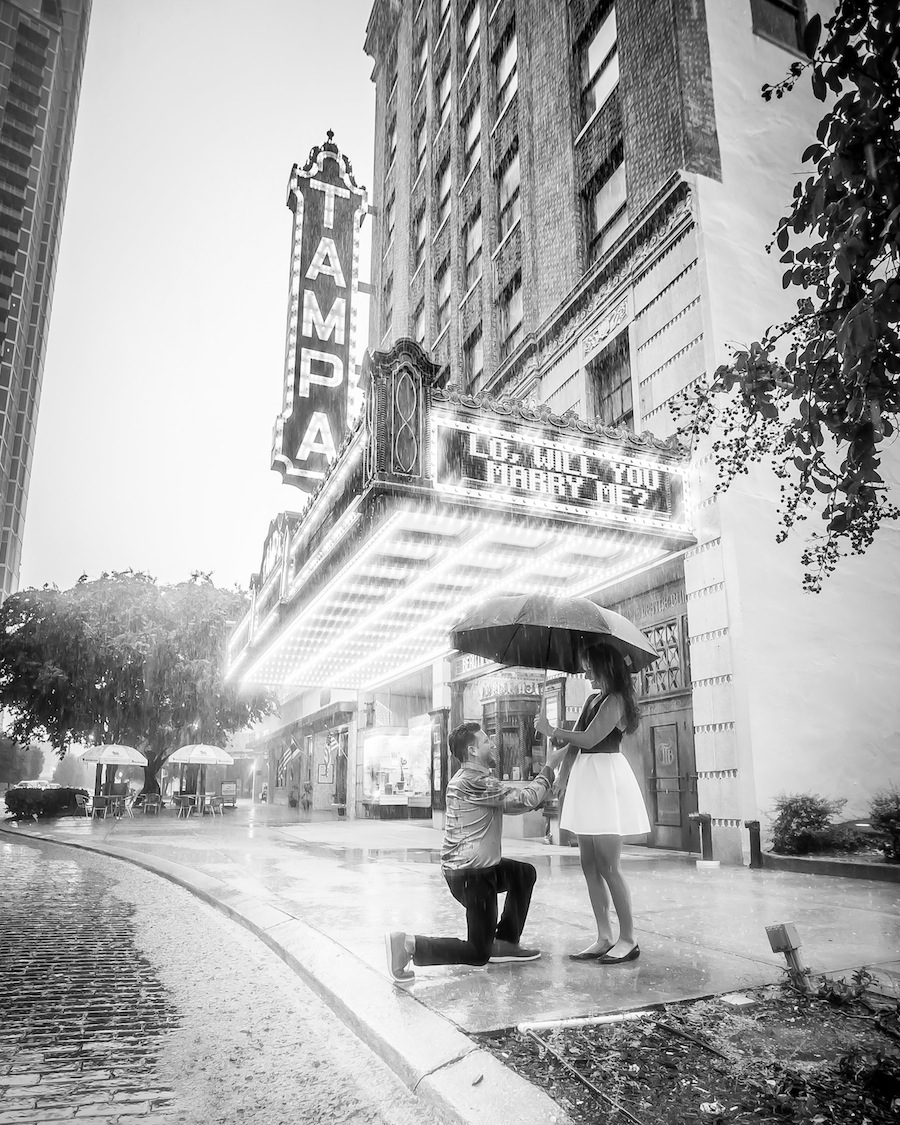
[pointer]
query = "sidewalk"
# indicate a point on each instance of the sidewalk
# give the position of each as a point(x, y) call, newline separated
point(323, 892)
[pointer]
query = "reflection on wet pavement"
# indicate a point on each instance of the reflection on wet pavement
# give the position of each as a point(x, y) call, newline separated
point(700, 931)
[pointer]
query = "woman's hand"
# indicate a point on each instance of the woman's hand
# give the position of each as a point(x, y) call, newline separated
point(542, 725)
point(554, 759)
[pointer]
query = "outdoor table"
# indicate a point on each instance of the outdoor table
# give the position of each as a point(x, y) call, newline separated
point(105, 806)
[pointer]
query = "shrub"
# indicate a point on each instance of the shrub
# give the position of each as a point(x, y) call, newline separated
point(802, 826)
point(884, 816)
point(42, 802)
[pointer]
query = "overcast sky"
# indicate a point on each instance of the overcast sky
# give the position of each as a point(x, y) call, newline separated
point(165, 361)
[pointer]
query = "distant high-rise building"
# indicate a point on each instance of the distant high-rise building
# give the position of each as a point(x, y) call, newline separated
point(42, 48)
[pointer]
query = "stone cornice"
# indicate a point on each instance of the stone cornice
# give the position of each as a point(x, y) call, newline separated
point(511, 409)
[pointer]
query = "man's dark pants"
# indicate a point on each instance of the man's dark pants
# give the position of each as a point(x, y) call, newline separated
point(477, 889)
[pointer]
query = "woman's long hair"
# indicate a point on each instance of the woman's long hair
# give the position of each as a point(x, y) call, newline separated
point(608, 666)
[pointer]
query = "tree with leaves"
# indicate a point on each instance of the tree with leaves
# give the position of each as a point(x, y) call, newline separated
point(122, 659)
point(19, 763)
point(817, 397)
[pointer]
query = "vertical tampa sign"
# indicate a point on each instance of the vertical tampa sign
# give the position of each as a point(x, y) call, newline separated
point(320, 356)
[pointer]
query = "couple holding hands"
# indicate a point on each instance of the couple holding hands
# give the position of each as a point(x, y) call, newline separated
point(602, 803)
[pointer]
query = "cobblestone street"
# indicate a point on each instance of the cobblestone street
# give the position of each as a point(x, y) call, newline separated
point(125, 999)
point(82, 1009)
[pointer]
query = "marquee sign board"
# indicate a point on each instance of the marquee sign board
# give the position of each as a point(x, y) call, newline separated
point(564, 475)
point(328, 209)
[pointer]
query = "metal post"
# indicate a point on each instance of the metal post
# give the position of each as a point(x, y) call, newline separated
point(783, 938)
point(704, 819)
point(755, 847)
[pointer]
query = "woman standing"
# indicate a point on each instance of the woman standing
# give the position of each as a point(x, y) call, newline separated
point(603, 801)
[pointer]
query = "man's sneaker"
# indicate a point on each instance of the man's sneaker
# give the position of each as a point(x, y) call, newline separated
point(505, 951)
point(398, 957)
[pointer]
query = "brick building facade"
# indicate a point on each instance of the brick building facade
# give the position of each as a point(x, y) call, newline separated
point(572, 202)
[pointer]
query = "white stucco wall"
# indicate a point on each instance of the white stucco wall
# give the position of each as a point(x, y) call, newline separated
point(816, 677)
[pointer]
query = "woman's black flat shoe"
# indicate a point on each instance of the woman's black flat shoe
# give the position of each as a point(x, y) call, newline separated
point(630, 956)
point(589, 956)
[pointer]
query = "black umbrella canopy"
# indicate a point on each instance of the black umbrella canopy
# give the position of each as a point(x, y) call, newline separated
point(541, 631)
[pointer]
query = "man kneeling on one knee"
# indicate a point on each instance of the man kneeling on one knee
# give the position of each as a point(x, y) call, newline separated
point(472, 864)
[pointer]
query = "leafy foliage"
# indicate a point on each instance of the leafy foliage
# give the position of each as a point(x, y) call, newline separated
point(884, 816)
point(42, 802)
point(821, 415)
point(123, 659)
point(839, 993)
point(19, 763)
point(802, 825)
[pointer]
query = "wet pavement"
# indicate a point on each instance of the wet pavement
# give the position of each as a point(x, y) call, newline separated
point(76, 1040)
point(701, 931)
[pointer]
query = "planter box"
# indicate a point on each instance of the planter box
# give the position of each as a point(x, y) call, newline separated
point(851, 867)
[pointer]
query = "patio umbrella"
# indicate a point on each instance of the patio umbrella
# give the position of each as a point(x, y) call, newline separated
point(112, 755)
point(199, 754)
point(540, 631)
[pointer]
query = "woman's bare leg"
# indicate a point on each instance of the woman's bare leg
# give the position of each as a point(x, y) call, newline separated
point(598, 894)
point(608, 854)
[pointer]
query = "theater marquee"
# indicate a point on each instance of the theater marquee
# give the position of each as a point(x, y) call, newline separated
point(567, 475)
point(320, 354)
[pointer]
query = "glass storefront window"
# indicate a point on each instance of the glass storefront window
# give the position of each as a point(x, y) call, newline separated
point(398, 761)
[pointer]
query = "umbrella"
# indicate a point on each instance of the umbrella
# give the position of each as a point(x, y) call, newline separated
point(112, 755)
point(201, 755)
point(540, 631)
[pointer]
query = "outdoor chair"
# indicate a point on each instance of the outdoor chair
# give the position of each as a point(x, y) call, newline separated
point(185, 806)
point(216, 805)
point(99, 807)
point(82, 803)
point(128, 805)
point(152, 803)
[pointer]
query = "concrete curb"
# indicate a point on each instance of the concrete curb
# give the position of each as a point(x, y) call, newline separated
point(428, 1052)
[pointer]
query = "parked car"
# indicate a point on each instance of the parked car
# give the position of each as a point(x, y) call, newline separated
point(38, 783)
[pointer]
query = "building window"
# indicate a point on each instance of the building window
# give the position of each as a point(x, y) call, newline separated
point(421, 139)
point(607, 204)
point(511, 316)
point(392, 74)
point(389, 213)
point(391, 142)
point(473, 248)
point(473, 358)
point(442, 90)
point(599, 66)
point(669, 671)
point(442, 287)
point(421, 57)
point(782, 21)
point(443, 194)
point(471, 35)
point(472, 136)
point(609, 395)
point(509, 200)
point(387, 305)
point(419, 323)
point(421, 234)
point(506, 72)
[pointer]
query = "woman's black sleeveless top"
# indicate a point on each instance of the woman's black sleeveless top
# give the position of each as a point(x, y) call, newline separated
point(612, 742)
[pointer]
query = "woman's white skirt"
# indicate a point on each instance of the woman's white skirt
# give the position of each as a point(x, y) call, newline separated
point(603, 798)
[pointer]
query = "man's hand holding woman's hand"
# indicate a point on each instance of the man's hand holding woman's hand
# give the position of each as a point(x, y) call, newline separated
point(554, 759)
